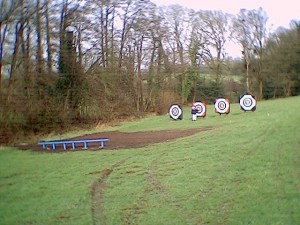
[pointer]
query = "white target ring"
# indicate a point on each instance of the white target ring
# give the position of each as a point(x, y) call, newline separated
point(201, 109)
point(222, 106)
point(247, 102)
point(175, 112)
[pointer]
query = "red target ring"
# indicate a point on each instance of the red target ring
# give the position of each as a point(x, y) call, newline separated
point(175, 112)
point(247, 102)
point(201, 108)
point(222, 105)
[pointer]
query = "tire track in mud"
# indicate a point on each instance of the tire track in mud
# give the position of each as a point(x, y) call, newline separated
point(157, 187)
point(97, 192)
point(152, 178)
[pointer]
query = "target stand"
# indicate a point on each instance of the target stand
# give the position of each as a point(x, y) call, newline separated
point(222, 106)
point(201, 108)
point(175, 112)
point(247, 103)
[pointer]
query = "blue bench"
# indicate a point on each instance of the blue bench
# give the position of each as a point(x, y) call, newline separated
point(73, 143)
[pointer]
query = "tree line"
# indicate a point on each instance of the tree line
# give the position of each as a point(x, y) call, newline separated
point(81, 62)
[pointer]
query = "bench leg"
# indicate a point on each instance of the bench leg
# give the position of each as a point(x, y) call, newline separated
point(101, 144)
point(85, 145)
point(65, 146)
point(54, 146)
point(73, 145)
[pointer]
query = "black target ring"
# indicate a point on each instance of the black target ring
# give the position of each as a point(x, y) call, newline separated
point(175, 112)
point(201, 109)
point(247, 102)
point(222, 106)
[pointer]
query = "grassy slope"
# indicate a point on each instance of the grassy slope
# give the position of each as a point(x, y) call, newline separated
point(246, 171)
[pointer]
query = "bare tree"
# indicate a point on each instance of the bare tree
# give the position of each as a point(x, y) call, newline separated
point(196, 55)
point(252, 33)
point(6, 10)
point(281, 54)
point(176, 21)
point(214, 26)
point(130, 11)
point(39, 51)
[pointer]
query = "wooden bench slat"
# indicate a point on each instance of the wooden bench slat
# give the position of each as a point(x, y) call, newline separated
point(73, 143)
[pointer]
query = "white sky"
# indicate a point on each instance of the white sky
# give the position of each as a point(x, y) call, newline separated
point(280, 13)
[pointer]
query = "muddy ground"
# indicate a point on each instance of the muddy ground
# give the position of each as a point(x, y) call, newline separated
point(122, 140)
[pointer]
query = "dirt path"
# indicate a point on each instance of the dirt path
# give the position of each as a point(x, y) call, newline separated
point(97, 192)
point(118, 141)
point(122, 140)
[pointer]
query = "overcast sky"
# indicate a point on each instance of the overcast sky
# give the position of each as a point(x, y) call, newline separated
point(280, 13)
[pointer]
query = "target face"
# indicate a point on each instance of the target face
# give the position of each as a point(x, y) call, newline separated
point(175, 112)
point(247, 102)
point(222, 105)
point(201, 108)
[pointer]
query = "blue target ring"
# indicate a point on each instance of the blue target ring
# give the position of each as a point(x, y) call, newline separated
point(175, 112)
point(201, 108)
point(222, 105)
point(248, 102)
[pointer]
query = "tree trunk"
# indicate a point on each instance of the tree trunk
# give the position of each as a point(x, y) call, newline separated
point(1, 50)
point(48, 40)
point(195, 90)
point(260, 89)
point(102, 37)
point(247, 77)
point(140, 99)
point(18, 31)
point(39, 50)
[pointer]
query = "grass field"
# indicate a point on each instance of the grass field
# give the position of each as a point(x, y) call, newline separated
point(244, 171)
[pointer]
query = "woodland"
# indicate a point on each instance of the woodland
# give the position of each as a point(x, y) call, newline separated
point(79, 63)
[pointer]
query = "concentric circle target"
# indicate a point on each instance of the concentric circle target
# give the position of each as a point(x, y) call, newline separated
point(175, 112)
point(222, 105)
point(248, 102)
point(201, 108)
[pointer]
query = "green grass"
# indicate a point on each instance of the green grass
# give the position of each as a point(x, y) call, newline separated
point(244, 171)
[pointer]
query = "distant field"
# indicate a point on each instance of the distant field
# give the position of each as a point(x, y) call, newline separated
point(236, 78)
point(246, 170)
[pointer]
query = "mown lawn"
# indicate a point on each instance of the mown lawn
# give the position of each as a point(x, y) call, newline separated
point(244, 171)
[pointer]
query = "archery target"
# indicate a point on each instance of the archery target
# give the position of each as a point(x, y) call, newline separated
point(222, 105)
point(248, 102)
point(175, 112)
point(201, 108)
